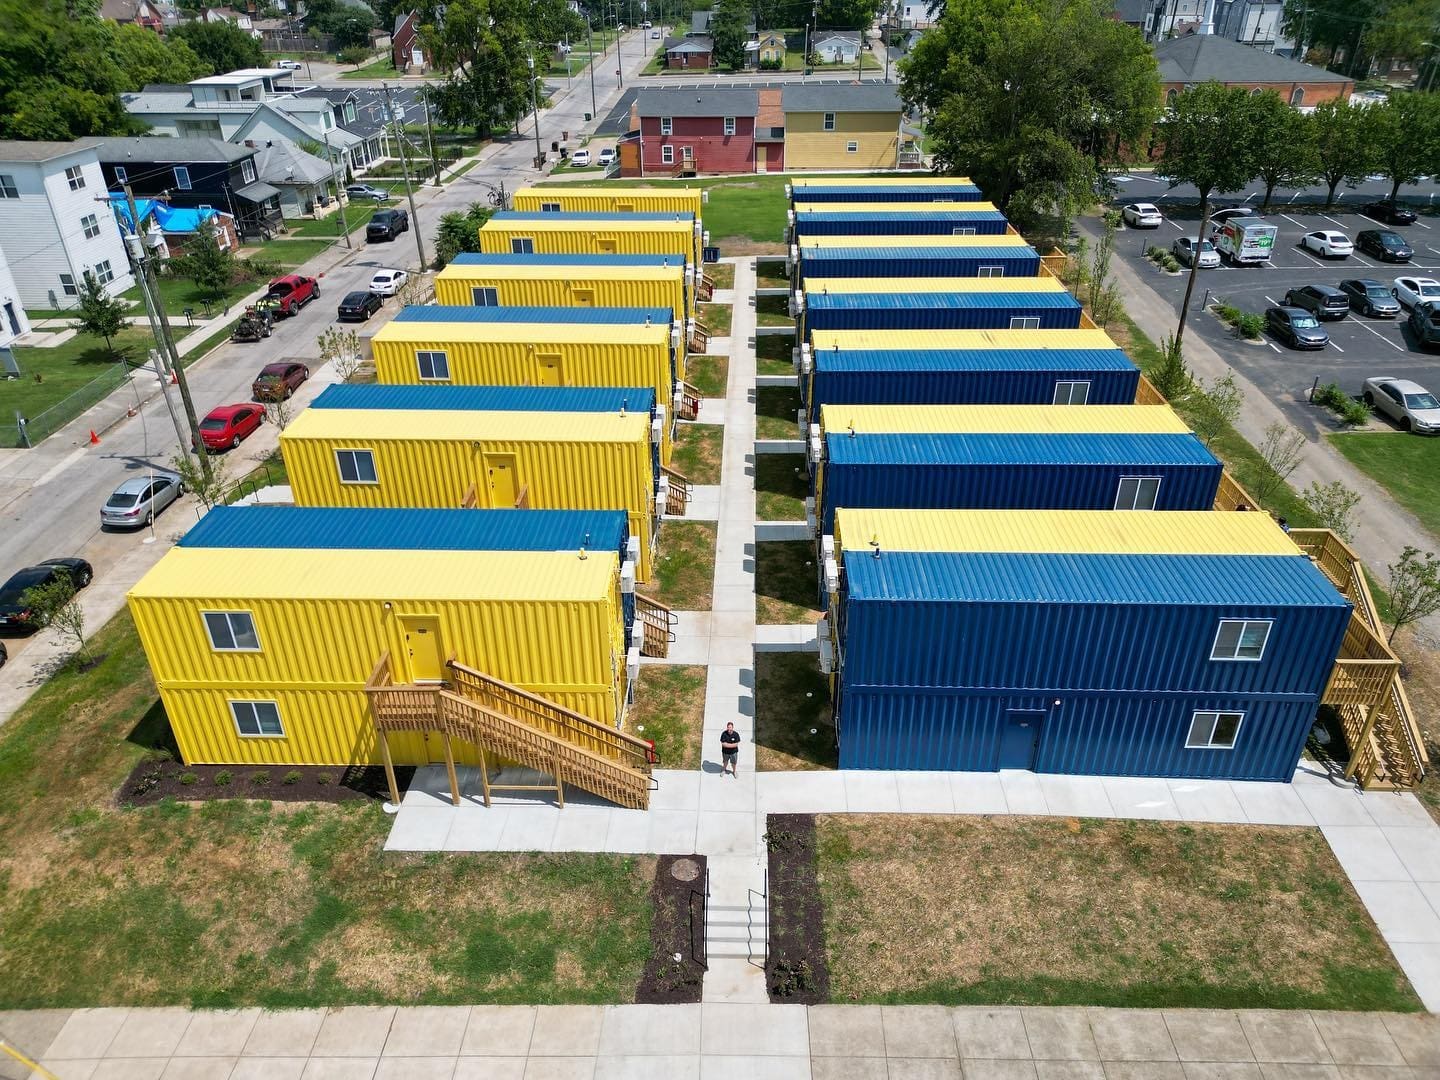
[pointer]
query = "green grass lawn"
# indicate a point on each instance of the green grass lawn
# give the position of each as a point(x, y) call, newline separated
point(781, 484)
point(697, 452)
point(775, 355)
point(722, 274)
point(291, 253)
point(378, 69)
point(237, 902)
point(684, 566)
point(1405, 465)
point(794, 728)
point(62, 371)
point(669, 710)
point(178, 293)
point(773, 277)
point(773, 311)
point(776, 409)
point(707, 373)
point(716, 318)
point(795, 61)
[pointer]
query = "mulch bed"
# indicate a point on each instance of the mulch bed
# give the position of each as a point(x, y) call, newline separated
point(797, 972)
point(154, 779)
point(677, 927)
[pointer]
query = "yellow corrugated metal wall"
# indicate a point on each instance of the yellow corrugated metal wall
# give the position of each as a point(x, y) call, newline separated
point(578, 287)
point(597, 238)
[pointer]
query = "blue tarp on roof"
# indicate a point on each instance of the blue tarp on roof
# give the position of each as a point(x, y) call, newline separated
point(610, 315)
point(490, 398)
point(171, 219)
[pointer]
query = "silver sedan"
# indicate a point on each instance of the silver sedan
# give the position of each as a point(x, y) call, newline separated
point(1407, 403)
point(136, 502)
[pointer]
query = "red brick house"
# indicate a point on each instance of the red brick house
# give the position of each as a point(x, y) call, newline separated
point(689, 53)
point(1197, 58)
point(406, 52)
point(687, 132)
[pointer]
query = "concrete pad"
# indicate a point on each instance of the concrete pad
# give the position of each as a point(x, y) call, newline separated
point(919, 1031)
point(353, 1031)
point(498, 1031)
point(760, 1030)
point(490, 1068)
point(86, 1033)
point(1076, 796)
point(1271, 804)
point(978, 793)
point(1416, 1037)
point(288, 1033)
point(1059, 1034)
point(1421, 964)
point(567, 1030)
point(629, 832)
point(560, 1068)
point(1292, 1071)
point(1222, 1070)
point(667, 1067)
point(130, 1069)
point(871, 791)
point(673, 832)
point(530, 828)
point(991, 1033)
point(926, 793)
point(842, 1068)
point(415, 1068)
point(1358, 1039)
point(731, 980)
point(1212, 1035)
point(475, 829)
point(1207, 800)
point(754, 1067)
point(420, 828)
point(581, 828)
point(999, 1069)
point(1023, 794)
point(1131, 1035)
point(270, 1069)
point(1401, 911)
point(677, 790)
point(786, 637)
point(1365, 853)
point(1397, 809)
point(818, 791)
point(1144, 1070)
point(1331, 805)
point(846, 1031)
point(215, 1034)
point(733, 598)
point(1418, 849)
point(199, 1068)
point(148, 1033)
point(650, 1029)
point(726, 795)
point(1069, 1070)
point(30, 1031)
point(424, 1031)
point(1283, 1037)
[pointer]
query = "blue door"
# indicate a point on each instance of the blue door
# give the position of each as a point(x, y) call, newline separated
point(1020, 738)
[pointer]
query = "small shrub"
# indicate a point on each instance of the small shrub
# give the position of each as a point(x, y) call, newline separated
point(188, 778)
point(324, 778)
point(1171, 264)
point(1354, 413)
point(353, 55)
point(260, 778)
point(790, 977)
point(1155, 251)
point(1329, 395)
point(1250, 324)
point(292, 777)
point(223, 778)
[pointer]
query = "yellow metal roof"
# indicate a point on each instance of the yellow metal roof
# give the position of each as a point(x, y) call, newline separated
point(827, 340)
point(563, 223)
point(366, 426)
point(315, 574)
point(1080, 532)
point(619, 191)
point(822, 286)
point(912, 240)
point(525, 272)
point(424, 333)
point(1008, 419)
point(891, 207)
point(881, 181)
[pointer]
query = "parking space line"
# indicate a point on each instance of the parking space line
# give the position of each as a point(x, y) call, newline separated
point(1272, 345)
point(1332, 221)
point(1422, 224)
point(1361, 261)
point(1335, 347)
point(1302, 252)
point(1381, 336)
point(1292, 221)
point(1176, 224)
point(1271, 300)
point(1370, 219)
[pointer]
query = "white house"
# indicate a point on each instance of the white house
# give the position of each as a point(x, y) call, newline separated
point(836, 47)
point(301, 178)
point(14, 322)
point(56, 224)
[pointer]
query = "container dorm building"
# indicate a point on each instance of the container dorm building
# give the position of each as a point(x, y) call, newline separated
point(1120, 644)
point(984, 367)
point(560, 280)
point(929, 256)
point(520, 233)
point(921, 189)
point(572, 199)
point(973, 308)
point(839, 219)
point(484, 447)
point(231, 619)
point(1007, 457)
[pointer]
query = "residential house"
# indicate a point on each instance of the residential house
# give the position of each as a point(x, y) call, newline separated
point(770, 130)
point(1197, 58)
point(767, 49)
point(913, 14)
point(140, 12)
point(688, 131)
point(193, 173)
point(360, 112)
point(850, 125)
point(689, 53)
point(169, 230)
point(53, 228)
point(14, 323)
point(231, 16)
point(1255, 23)
point(406, 52)
point(303, 179)
point(836, 46)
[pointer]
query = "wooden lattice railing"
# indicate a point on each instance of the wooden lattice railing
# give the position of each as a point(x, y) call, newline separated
point(689, 401)
point(678, 490)
point(699, 337)
point(705, 287)
point(657, 623)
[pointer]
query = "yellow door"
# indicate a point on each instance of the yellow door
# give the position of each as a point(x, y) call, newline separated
point(606, 244)
point(584, 297)
point(422, 648)
point(500, 475)
point(550, 374)
point(624, 208)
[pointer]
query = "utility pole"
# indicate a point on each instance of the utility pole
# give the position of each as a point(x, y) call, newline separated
point(535, 107)
point(405, 172)
point(590, 47)
point(430, 135)
point(339, 193)
point(619, 63)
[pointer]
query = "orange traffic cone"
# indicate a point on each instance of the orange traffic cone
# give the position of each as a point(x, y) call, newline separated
point(94, 439)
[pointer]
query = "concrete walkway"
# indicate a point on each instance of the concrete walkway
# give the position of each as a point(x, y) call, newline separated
point(722, 1041)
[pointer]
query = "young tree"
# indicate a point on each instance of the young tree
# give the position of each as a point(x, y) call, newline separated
point(1341, 150)
point(341, 350)
point(210, 266)
point(1414, 588)
point(221, 46)
point(1402, 133)
point(1100, 261)
point(460, 231)
point(98, 313)
point(1333, 506)
point(1171, 377)
point(1209, 143)
point(1284, 146)
point(56, 606)
point(207, 484)
point(1217, 406)
point(1281, 449)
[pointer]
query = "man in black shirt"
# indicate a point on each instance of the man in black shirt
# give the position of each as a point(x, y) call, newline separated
point(729, 751)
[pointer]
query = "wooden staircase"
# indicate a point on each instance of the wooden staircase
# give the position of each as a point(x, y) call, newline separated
point(678, 490)
point(504, 723)
point(705, 287)
point(700, 336)
point(657, 623)
point(689, 402)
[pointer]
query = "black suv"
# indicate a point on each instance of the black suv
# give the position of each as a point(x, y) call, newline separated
point(1320, 300)
point(387, 224)
point(1385, 245)
point(1388, 212)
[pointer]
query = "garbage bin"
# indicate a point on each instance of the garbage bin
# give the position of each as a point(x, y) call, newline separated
point(587, 117)
point(554, 145)
point(710, 254)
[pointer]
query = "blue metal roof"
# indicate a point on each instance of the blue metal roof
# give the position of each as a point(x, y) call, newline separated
point(482, 258)
point(590, 215)
point(986, 448)
point(917, 251)
point(958, 213)
point(365, 528)
point(490, 398)
point(1016, 577)
point(466, 314)
point(878, 193)
point(971, 360)
point(928, 301)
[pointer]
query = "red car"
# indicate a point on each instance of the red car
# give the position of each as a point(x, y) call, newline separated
point(227, 426)
point(278, 381)
point(292, 292)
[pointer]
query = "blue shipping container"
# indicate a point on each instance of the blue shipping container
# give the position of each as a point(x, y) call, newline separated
point(1078, 663)
point(920, 223)
point(610, 316)
point(802, 191)
point(939, 311)
point(1011, 471)
point(967, 377)
point(919, 261)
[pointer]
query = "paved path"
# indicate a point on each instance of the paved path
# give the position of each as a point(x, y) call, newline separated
point(722, 1041)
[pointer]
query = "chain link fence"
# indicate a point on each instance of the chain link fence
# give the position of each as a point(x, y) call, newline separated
point(25, 431)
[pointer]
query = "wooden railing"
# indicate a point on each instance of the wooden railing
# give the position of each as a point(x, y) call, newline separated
point(678, 491)
point(705, 287)
point(522, 501)
point(699, 337)
point(1146, 394)
point(689, 402)
point(657, 624)
point(1229, 495)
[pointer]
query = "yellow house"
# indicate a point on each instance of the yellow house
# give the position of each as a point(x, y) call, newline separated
point(767, 48)
point(853, 126)
point(568, 281)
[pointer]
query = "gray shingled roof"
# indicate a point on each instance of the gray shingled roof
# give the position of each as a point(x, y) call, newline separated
point(283, 162)
point(37, 151)
point(162, 149)
point(847, 97)
point(718, 102)
point(1197, 58)
point(690, 45)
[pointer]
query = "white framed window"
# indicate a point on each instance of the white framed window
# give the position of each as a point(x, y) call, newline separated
point(852, 147)
point(356, 466)
point(990, 271)
point(182, 178)
point(550, 208)
point(484, 296)
point(247, 171)
point(829, 121)
point(91, 225)
point(103, 273)
point(522, 245)
point(667, 155)
point(963, 230)
point(1025, 322)
point(1137, 493)
point(1214, 730)
point(1072, 392)
point(729, 125)
point(67, 285)
point(8, 190)
point(75, 177)
point(434, 366)
point(231, 631)
point(121, 174)
point(1241, 639)
point(667, 125)
point(257, 719)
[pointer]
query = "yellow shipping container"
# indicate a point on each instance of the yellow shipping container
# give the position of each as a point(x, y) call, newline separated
point(567, 286)
point(911, 240)
point(303, 630)
point(921, 340)
point(1009, 419)
point(824, 286)
point(572, 198)
point(570, 235)
point(400, 457)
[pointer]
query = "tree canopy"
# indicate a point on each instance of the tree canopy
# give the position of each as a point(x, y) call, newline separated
point(846, 14)
point(1284, 151)
point(1359, 30)
point(728, 30)
point(349, 23)
point(222, 46)
point(484, 46)
point(1342, 150)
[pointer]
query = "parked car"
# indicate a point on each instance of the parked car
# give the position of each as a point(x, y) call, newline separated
point(607, 157)
point(387, 225)
point(289, 65)
point(580, 159)
point(1410, 291)
point(1370, 297)
point(279, 380)
point(1203, 251)
point(226, 426)
point(1141, 215)
point(654, 35)
point(14, 615)
point(1424, 323)
point(1388, 212)
point(359, 306)
point(1226, 213)
point(139, 499)
point(4, 654)
point(1384, 245)
point(388, 282)
point(1322, 301)
point(1327, 242)
point(1297, 327)
point(292, 292)
point(1407, 403)
point(367, 191)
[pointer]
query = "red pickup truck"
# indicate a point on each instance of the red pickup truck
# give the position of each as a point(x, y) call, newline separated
point(292, 292)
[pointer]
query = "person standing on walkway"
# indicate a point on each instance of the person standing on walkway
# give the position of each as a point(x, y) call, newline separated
point(729, 750)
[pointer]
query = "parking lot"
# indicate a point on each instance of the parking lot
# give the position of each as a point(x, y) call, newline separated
point(1360, 347)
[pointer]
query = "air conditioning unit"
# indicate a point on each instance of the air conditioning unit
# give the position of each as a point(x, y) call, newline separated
point(807, 360)
point(832, 575)
point(637, 634)
point(632, 663)
point(810, 511)
point(632, 549)
point(814, 445)
point(791, 259)
point(657, 431)
point(797, 303)
point(827, 657)
point(627, 577)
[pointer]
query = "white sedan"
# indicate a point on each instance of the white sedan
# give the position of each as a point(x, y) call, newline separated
point(388, 282)
point(1327, 242)
point(580, 159)
point(1141, 215)
point(1415, 290)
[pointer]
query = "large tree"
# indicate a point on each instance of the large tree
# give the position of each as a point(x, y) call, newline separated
point(58, 78)
point(1337, 130)
point(1209, 142)
point(846, 14)
point(727, 29)
point(1403, 133)
point(145, 57)
point(1284, 145)
point(1353, 32)
point(348, 23)
point(552, 21)
point(221, 45)
point(485, 47)
point(1015, 90)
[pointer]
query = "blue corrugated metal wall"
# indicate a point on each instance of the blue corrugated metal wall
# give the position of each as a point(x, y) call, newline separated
point(918, 261)
point(920, 193)
point(920, 224)
point(489, 398)
point(942, 316)
point(919, 386)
